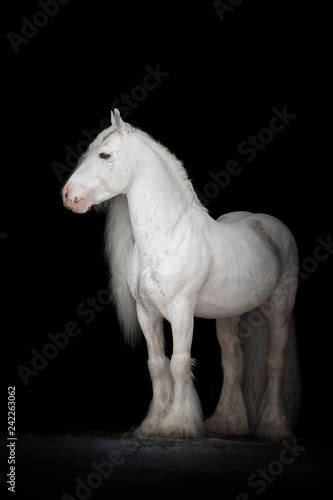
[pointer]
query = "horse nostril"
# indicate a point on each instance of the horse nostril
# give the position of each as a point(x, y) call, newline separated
point(76, 199)
point(66, 194)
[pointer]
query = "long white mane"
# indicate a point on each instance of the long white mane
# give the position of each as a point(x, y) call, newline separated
point(120, 239)
point(119, 242)
point(181, 183)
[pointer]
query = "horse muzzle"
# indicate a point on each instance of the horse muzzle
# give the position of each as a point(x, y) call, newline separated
point(74, 202)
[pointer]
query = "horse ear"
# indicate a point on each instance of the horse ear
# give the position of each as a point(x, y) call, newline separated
point(119, 124)
point(113, 119)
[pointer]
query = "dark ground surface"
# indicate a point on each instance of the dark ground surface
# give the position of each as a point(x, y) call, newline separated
point(50, 467)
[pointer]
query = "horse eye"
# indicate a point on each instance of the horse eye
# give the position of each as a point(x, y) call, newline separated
point(104, 156)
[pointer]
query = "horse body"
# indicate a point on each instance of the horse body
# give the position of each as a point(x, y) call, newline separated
point(248, 257)
point(225, 268)
point(170, 259)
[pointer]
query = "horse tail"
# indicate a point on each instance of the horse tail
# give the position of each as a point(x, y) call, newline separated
point(119, 250)
point(255, 338)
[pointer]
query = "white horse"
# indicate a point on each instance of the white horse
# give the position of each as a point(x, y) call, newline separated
point(170, 259)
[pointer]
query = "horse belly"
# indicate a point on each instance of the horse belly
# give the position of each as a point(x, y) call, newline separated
point(229, 297)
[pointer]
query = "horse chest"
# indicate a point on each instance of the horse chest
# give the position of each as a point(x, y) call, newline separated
point(151, 281)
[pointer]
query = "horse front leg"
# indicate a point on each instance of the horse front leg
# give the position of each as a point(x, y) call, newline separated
point(159, 368)
point(184, 417)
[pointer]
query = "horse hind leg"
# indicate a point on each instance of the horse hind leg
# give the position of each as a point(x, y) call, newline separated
point(275, 414)
point(230, 416)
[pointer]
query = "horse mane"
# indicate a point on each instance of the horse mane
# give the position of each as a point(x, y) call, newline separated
point(183, 186)
point(119, 243)
point(120, 238)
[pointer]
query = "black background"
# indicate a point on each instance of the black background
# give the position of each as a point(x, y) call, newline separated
point(225, 79)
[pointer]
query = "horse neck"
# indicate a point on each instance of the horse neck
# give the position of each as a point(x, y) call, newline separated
point(155, 201)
